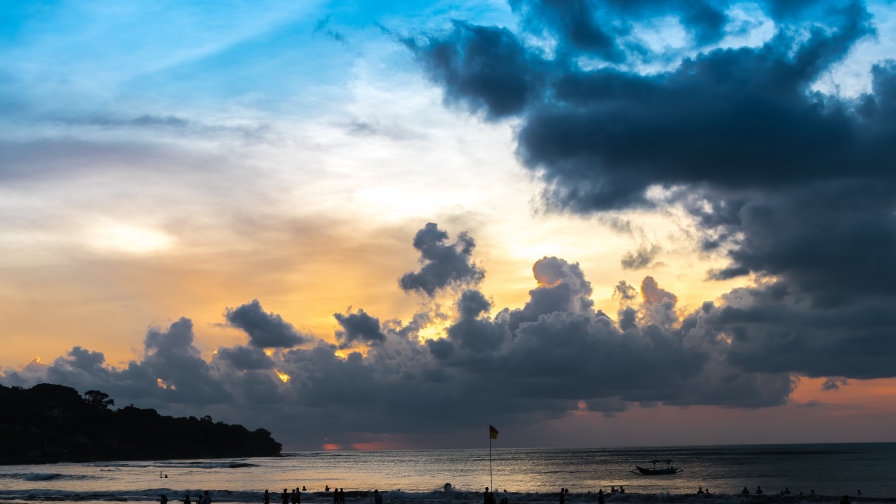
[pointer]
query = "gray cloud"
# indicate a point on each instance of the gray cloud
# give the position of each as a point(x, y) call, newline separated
point(444, 264)
point(834, 383)
point(524, 364)
point(641, 258)
point(265, 330)
point(789, 183)
point(358, 328)
point(171, 371)
point(792, 185)
point(244, 358)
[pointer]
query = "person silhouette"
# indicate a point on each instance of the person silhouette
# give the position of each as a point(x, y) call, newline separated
point(284, 497)
point(699, 490)
point(621, 489)
point(844, 500)
point(303, 488)
point(206, 498)
point(859, 492)
point(164, 499)
point(292, 496)
point(759, 490)
point(562, 496)
point(377, 497)
point(335, 495)
point(298, 495)
point(745, 491)
point(327, 488)
point(267, 498)
point(341, 495)
point(707, 491)
point(786, 491)
point(187, 499)
point(600, 496)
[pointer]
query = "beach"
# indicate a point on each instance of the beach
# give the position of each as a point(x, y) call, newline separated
point(441, 497)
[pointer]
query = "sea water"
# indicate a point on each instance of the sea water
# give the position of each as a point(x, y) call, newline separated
point(526, 474)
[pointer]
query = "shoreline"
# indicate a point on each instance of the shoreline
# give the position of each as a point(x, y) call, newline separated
point(434, 497)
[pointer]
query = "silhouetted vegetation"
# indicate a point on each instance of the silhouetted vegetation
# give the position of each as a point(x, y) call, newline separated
point(53, 423)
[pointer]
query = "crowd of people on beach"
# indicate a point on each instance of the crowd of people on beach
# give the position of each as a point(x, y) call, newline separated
point(786, 491)
point(205, 498)
point(294, 496)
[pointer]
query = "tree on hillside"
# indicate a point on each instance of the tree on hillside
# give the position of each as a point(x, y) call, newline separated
point(98, 399)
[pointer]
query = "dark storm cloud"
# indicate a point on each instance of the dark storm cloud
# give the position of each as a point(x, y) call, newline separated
point(358, 328)
point(772, 330)
point(444, 264)
point(592, 27)
point(244, 358)
point(265, 330)
point(737, 118)
point(485, 68)
point(832, 241)
point(794, 186)
point(171, 357)
point(171, 371)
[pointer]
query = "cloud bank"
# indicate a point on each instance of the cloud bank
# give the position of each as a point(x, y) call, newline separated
point(553, 356)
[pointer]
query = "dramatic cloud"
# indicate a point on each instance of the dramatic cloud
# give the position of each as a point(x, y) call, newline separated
point(736, 118)
point(265, 330)
point(245, 358)
point(358, 328)
point(171, 371)
point(795, 187)
point(543, 360)
point(444, 264)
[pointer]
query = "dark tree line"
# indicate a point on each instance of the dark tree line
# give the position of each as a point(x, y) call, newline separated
point(53, 423)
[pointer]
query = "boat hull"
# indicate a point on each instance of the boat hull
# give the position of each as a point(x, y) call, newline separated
point(658, 472)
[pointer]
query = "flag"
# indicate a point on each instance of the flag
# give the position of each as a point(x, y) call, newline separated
point(492, 432)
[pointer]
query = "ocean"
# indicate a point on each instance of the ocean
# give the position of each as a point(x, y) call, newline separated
point(528, 475)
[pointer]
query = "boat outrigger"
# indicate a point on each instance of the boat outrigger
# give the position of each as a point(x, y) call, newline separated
point(647, 471)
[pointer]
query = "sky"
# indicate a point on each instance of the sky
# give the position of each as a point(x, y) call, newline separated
point(387, 225)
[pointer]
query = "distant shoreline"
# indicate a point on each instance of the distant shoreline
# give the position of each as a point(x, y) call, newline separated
point(38, 461)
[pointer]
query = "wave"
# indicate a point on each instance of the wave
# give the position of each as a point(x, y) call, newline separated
point(202, 464)
point(44, 476)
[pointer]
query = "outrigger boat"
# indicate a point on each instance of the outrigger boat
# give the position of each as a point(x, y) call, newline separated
point(669, 469)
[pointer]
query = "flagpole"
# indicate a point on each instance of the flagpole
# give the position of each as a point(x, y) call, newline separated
point(491, 480)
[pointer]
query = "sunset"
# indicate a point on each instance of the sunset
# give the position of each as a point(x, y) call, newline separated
point(373, 226)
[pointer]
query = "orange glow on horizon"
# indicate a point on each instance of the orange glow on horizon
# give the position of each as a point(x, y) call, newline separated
point(331, 447)
point(376, 445)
